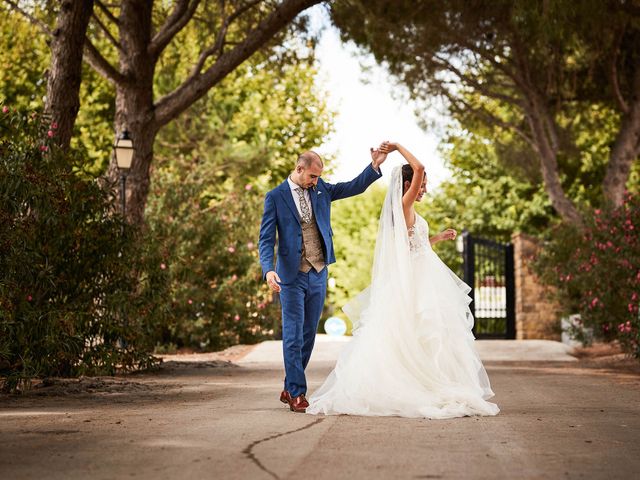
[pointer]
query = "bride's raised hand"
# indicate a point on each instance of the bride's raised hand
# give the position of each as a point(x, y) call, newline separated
point(449, 234)
point(388, 147)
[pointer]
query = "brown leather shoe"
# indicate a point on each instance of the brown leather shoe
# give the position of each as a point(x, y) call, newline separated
point(299, 404)
point(285, 397)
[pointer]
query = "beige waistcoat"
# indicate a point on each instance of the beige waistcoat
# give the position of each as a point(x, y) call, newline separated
point(312, 255)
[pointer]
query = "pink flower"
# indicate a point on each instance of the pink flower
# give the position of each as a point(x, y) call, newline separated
point(621, 327)
point(237, 318)
point(597, 211)
point(43, 148)
point(261, 306)
point(54, 125)
point(250, 245)
point(190, 301)
point(234, 277)
point(634, 296)
point(248, 187)
point(594, 302)
point(29, 297)
point(231, 249)
point(5, 109)
point(163, 266)
point(631, 307)
point(50, 133)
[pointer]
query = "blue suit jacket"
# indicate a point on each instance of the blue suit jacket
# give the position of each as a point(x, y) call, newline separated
point(281, 216)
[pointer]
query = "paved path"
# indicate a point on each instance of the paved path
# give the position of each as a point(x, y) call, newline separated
point(328, 348)
point(207, 420)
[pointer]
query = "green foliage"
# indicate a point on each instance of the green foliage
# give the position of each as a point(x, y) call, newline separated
point(262, 115)
point(24, 58)
point(596, 272)
point(76, 293)
point(94, 125)
point(209, 252)
point(485, 195)
point(213, 166)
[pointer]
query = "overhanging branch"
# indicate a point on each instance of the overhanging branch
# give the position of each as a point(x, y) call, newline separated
point(106, 11)
point(100, 64)
point(180, 16)
point(197, 84)
point(106, 31)
point(484, 115)
point(483, 89)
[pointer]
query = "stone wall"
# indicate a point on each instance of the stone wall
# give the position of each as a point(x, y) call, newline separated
point(536, 316)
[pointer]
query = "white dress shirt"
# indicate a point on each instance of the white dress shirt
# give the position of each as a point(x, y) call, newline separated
point(296, 198)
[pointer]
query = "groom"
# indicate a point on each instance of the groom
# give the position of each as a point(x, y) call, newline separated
point(298, 213)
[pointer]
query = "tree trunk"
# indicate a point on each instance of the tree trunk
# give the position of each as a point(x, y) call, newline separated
point(625, 149)
point(65, 72)
point(541, 125)
point(134, 103)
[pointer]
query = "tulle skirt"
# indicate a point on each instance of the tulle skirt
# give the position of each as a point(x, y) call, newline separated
point(411, 356)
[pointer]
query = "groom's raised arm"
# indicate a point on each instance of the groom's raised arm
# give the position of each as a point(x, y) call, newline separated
point(355, 186)
point(267, 241)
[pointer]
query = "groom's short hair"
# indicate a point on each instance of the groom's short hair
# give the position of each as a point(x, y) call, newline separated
point(307, 158)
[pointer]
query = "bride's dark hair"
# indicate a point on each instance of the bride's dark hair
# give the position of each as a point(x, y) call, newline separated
point(407, 173)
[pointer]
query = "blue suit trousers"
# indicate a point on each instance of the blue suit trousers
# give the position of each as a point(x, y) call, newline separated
point(302, 303)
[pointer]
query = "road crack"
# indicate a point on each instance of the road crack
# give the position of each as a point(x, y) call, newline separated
point(251, 456)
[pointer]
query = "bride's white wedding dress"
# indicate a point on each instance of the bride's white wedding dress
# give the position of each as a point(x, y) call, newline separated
point(413, 352)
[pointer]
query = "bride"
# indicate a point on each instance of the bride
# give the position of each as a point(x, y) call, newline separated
point(413, 352)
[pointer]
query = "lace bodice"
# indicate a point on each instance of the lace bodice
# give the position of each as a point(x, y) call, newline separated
point(419, 235)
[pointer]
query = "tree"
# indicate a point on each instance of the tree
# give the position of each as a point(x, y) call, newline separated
point(528, 67)
point(138, 35)
point(65, 70)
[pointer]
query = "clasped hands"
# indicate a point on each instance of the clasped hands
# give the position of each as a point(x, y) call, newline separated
point(379, 155)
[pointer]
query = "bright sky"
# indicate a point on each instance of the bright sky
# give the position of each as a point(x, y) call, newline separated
point(367, 113)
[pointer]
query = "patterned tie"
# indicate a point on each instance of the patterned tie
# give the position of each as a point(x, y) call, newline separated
point(304, 206)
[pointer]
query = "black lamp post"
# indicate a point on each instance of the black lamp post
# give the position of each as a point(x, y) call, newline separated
point(123, 150)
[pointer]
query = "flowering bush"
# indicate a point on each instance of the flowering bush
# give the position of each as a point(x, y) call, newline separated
point(210, 255)
point(597, 272)
point(76, 293)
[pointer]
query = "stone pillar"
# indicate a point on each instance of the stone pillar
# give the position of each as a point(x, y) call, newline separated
point(536, 315)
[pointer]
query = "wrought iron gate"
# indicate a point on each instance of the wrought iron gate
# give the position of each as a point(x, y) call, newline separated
point(488, 269)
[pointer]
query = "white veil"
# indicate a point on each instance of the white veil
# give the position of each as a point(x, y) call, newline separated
point(390, 275)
